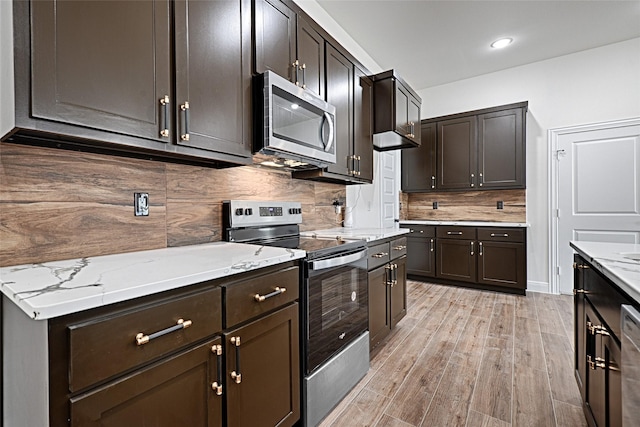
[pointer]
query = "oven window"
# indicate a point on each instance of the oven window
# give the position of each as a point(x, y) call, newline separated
point(339, 298)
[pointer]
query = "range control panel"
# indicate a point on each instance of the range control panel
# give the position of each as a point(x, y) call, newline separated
point(251, 213)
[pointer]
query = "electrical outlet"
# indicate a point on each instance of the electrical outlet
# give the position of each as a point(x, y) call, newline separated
point(500, 204)
point(435, 205)
point(141, 204)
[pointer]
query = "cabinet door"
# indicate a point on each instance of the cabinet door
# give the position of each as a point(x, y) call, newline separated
point(398, 292)
point(580, 322)
point(402, 110)
point(502, 264)
point(213, 76)
point(274, 38)
point(379, 319)
point(614, 381)
point(501, 150)
point(421, 256)
point(419, 164)
point(363, 124)
point(456, 260)
point(595, 383)
point(413, 117)
point(457, 152)
point(266, 355)
point(103, 65)
point(177, 391)
point(340, 95)
point(311, 58)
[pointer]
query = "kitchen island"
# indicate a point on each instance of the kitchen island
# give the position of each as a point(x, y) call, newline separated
point(606, 277)
point(109, 338)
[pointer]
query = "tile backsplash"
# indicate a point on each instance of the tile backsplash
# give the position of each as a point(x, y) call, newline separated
point(58, 204)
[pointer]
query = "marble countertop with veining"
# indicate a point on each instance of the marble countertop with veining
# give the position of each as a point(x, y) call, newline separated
point(367, 234)
point(465, 223)
point(620, 262)
point(57, 288)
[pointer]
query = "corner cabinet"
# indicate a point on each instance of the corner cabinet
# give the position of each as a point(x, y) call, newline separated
point(120, 95)
point(387, 265)
point(475, 150)
point(597, 316)
point(209, 354)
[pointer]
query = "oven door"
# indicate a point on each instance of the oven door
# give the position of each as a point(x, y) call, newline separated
point(337, 305)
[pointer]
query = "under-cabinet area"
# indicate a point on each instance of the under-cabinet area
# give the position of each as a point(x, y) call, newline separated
point(492, 257)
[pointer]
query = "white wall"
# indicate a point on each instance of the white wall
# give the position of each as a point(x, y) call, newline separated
point(7, 96)
point(591, 86)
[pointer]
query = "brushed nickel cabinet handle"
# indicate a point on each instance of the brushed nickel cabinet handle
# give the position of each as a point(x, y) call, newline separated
point(499, 234)
point(142, 339)
point(481, 179)
point(471, 248)
point(479, 249)
point(303, 67)
point(433, 181)
point(380, 255)
point(296, 67)
point(472, 179)
point(399, 248)
point(277, 291)
point(164, 104)
point(431, 245)
point(454, 233)
point(236, 375)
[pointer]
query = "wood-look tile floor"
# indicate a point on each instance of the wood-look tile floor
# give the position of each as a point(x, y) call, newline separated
point(464, 357)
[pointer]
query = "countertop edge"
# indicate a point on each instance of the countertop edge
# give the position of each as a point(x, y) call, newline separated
point(465, 223)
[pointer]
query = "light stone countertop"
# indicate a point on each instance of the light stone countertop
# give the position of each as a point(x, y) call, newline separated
point(366, 234)
point(57, 288)
point(466, 223)
point(620, 262)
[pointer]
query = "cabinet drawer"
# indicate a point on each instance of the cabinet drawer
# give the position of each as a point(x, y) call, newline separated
point(398, 248)
point(243, 300)
point(107, 346)
point(501, 234)
point(378, 255)
point(606, 299)
point(454, 232)
point(420, 230)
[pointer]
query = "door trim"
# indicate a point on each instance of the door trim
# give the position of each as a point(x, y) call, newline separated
point(553, 136)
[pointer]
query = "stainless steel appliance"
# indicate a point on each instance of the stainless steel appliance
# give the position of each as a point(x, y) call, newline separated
point(334, 299)
point(293, 126)
point(630, 326)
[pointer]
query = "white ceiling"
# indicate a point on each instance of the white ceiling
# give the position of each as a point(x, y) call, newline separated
point(431, 43)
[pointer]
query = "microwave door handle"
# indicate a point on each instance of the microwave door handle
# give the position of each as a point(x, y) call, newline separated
point(329, 142)
point(336, 262)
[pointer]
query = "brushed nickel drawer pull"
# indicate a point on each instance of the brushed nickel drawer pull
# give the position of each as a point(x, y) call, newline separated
point(277, 291)
point(480, 249)
point(164, 102)
point(217, 385)
point(499, 235)
point(579, 291)
point(471, 248)
point(236, 375)
point(142, 339)
point(431, 245)
point(399, 248)
point(185, 108)
point(454, 233)
point(380, 255)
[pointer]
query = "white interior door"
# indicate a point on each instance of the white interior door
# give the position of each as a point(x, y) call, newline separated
point(598, 190)
point(389, 188)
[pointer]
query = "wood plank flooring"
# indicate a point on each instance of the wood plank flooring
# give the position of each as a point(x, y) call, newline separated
point(464, 357)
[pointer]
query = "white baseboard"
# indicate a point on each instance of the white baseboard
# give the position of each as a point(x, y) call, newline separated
point(542, 287)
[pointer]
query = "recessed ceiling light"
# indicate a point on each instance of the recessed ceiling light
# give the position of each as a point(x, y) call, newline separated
point(499, 44)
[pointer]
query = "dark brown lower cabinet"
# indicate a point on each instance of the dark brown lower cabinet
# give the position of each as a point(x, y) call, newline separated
point(387, 289)
point(456, 260)
point(597, 334)
point(173, 392)
point(421, 250)
point(499, 263)
point(263, 371)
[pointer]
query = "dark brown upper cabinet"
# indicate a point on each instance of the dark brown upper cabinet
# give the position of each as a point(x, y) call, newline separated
point(456, 148)
point(396, 113)
point(103, 74)
point(354, 150)
point(475, 150)
point(419, 164)
point(289, 45)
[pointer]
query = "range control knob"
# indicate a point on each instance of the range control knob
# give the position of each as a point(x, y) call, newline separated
point(299, 210)
point(292, 211)
point(248, 211)
point(239, 211)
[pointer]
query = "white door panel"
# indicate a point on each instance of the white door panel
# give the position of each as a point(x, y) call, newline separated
point(598, 190)
point(389, 192)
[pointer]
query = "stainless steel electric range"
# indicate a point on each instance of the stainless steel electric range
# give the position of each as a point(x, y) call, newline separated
point(334, 299)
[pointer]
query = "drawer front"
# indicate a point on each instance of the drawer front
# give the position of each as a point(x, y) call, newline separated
point(455, 232)
point(501, 234)
point(253, 297)
point(398, 247)
point(605, 298)
point(378, 255)
point(102, 348)
point(420, 230)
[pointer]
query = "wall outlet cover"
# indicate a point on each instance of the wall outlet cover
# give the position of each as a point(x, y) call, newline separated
point(141, 204)
point(500, 204)
point(435, 205)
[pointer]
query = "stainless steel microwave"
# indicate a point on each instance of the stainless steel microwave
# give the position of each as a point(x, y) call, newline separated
point(292, 125)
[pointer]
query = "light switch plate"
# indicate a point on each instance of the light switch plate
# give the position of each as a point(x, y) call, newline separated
point(141, 204)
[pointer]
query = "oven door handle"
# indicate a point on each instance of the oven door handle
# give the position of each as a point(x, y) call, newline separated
point(336, 262)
